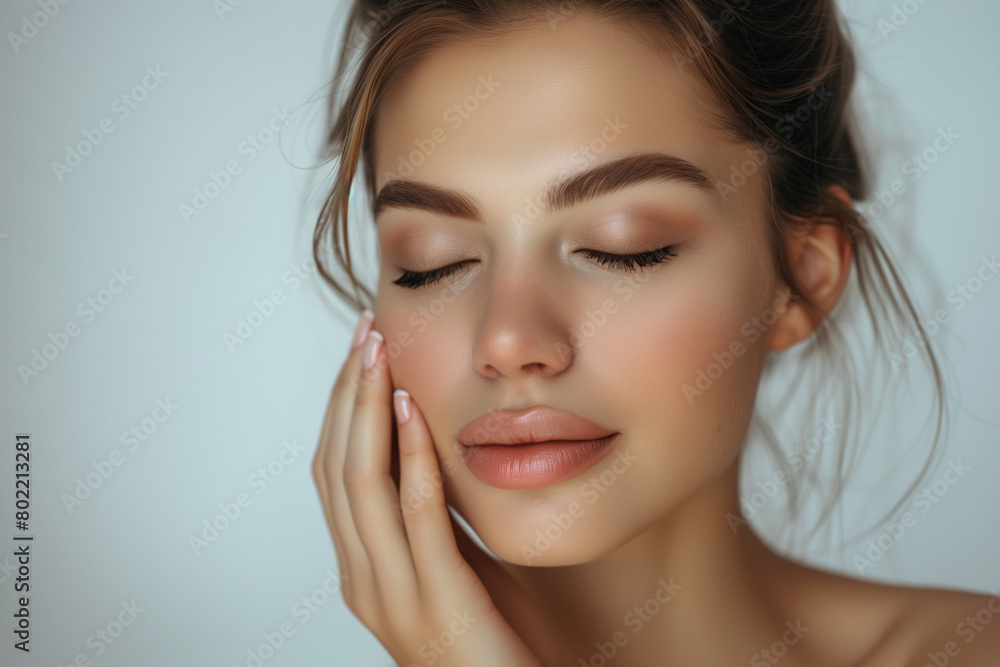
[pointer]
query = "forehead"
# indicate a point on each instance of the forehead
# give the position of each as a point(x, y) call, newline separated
point(503, 117)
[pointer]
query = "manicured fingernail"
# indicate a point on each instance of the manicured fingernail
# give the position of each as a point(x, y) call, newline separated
point(371, 349)
point(401, 400)
point(361, 331)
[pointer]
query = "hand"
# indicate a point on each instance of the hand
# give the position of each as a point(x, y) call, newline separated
point(404, 575)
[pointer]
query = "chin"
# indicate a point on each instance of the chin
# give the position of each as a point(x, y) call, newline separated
point(542, 534)
point(538, 549)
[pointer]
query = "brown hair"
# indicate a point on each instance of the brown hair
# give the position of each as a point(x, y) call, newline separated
point(781, 71)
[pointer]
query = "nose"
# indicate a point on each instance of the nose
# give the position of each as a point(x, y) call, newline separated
point(521, 332)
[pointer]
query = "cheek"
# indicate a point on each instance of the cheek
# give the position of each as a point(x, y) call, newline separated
point(421, 345)
point(683, 361)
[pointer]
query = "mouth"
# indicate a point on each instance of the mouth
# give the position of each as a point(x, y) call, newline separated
point(535, 465)
point(533, 448)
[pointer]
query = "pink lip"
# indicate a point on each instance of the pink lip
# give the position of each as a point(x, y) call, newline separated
point(532, 448)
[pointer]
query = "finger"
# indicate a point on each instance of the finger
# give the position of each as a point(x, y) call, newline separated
point(320, 477)
point(328, 467)
point(507, 595)
point(370, 490)
point(481, 562)
point(421, 494)
point(497, 581)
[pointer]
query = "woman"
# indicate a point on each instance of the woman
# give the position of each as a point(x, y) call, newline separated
point(599, 224)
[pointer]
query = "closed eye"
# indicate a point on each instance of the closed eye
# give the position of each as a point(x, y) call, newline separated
point(417, 279)
point(631, 262)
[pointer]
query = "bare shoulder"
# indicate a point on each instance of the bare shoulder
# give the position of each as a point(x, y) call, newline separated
point(949, 627)
point(868, 623)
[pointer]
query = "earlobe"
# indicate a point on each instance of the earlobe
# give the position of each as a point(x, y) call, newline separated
point(792, 327)
point(819, 255)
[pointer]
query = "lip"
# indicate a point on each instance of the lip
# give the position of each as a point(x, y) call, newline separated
point(533, 448)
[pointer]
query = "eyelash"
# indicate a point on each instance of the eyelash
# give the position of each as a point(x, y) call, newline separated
point(629, 262)
point(416, 279)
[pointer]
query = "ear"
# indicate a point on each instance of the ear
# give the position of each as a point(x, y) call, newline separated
point(820, 254)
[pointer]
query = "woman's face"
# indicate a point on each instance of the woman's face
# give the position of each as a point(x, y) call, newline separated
point(668, 355)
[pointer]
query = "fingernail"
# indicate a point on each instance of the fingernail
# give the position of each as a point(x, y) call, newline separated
point(401, 401)
point(371, 349)
point(361, 331)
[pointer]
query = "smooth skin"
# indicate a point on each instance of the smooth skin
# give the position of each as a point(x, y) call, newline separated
point(525, 291)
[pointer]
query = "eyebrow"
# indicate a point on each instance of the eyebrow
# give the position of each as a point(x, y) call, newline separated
point(572, 191)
